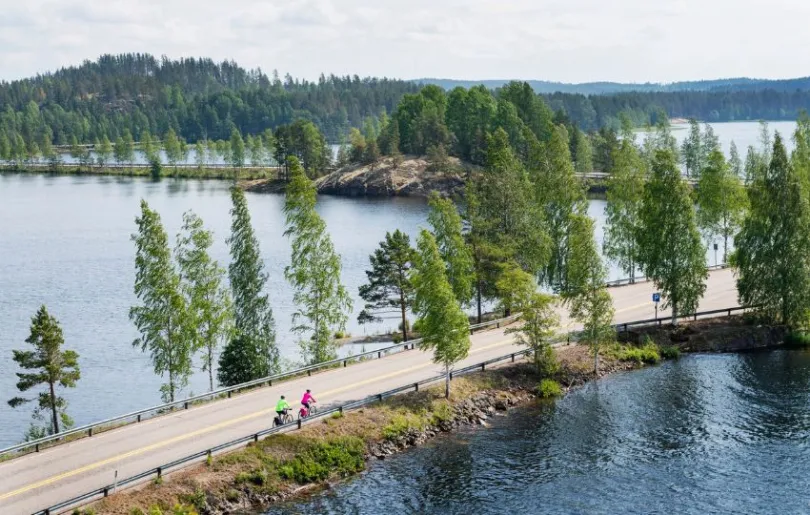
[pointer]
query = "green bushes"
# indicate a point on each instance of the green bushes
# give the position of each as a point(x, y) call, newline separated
point(402, 423)
point(340, 456)
point(647, 353)
point(548, 389)
point(669, 352)
point(442, 413)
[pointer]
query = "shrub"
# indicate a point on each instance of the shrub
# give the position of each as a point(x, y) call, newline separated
point(669, 352)
point(182, 509)
point(337, 415)
point(136, 511)
point(548, 388)
point(442, 413)
point(155, 169)
point(402, 423)
point(339, 456)
point(397, 338)
point(648, 353)
point(197, 499)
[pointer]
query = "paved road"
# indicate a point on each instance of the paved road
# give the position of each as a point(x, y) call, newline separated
point(39, 480)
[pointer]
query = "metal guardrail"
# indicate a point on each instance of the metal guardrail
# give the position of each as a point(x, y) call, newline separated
point(140, 415)
point(694, 316)
point(642, 279)
point(158, 472)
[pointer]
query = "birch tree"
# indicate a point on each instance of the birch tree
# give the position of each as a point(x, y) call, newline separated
point(443, 325)
point(447, 226)
point(624, 199)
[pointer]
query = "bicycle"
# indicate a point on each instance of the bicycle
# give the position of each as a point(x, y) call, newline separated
point(306, 413)
point(284, 419)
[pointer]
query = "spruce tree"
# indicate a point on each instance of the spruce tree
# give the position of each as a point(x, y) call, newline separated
point(162, 318)
point(442, 324)
point(205, 290)
point(671, 252)
point(773, 248)
point(321, 300)
point(389, 282)
point(47, 365)
point(251, 353)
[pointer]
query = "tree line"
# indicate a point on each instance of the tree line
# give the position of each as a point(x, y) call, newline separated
point(522, 230)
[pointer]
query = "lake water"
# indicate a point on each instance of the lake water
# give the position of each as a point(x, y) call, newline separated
point(719, 434)
point(65, 242)
point(743, 134)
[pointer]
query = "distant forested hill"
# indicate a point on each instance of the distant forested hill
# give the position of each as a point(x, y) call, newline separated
point(603, 88)
point(197, 98)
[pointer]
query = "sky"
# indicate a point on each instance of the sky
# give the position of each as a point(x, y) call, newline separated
point(557, 40)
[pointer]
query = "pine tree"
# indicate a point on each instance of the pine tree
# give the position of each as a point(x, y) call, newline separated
point(721, 201)
point(162, 318)
point(251, 353)
point(205, 291)
point(773, 248)
point(442, 324)
point(322, 301)
point(389, 282)
point(624, 197)
point(48, 364)
point(670, 249)
point(447, 229)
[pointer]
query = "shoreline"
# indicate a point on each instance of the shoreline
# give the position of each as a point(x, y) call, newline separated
point(280, 468)
point(168, 172)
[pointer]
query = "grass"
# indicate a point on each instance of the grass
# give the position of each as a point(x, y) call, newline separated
point(797, 340)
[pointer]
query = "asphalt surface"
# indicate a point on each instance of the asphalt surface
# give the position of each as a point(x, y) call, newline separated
point(40, 480)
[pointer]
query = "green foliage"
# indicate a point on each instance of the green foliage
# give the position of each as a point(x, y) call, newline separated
point(447, 226)
point(721, 201)
point(773, 247)
point(404, 423)
point(669, 352)
point(389, 282)
point(670, 248)
point(797, 340)
point(442, 324)
point(155, 169)
point(47, 365)
point(647, 353)
point(204, 287)
point(624, 199)
point(548, 389)
point(237, 149)
point(304, 141)
point(336, 457)
point(538, 323)
point(252, 352)
point(583, 153)
point(163, 317)
point(321, 299)
point(195, 500)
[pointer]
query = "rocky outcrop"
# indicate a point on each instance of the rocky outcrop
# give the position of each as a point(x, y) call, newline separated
point(410, 178)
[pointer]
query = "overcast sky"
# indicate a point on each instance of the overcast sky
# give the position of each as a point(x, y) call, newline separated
point(559, 40)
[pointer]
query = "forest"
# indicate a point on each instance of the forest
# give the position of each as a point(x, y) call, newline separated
point(127, 96)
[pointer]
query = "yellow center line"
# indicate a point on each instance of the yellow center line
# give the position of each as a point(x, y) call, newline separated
point(215, 427)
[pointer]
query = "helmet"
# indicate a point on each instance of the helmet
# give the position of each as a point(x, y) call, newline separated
point(282, 397)
point(308, 390)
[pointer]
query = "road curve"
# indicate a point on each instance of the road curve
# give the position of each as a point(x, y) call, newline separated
point(39, 480)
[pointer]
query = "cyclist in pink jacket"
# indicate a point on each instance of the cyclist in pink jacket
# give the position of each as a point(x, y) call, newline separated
point(307, 399)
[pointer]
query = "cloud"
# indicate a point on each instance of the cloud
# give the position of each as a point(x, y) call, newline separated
point(573, 40)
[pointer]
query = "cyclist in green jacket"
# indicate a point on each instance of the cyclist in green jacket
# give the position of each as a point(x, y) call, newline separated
point(282, 406)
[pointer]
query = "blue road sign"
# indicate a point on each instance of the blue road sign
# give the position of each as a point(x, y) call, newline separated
point(656, 297)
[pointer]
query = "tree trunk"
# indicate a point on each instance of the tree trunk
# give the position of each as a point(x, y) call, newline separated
point(53, 409)
point(404, 319)
point(674, 313)
point(446, 380)
point(596, 362)
point(211, 368)
point(725, 248)
point(478, 296)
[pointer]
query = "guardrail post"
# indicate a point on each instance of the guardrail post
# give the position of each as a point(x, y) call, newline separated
point(483, 366)
point(695, 316)
point(139, 418)
point(299, 423)
point(36, 448)
point(659, 322)
point(229, 396)
point(309, 373)
point(416, 387)
point(451, 376)
point(106, 491)
point(256, 437)
point(513, 358)
point(498, 325)
point(729, 311)
point(270, 382)
point(159, 472)
point(379, 397)
point(340, 410)
point(90, 432)
point(344, 363)
point(379, 355)
point(185, 405)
